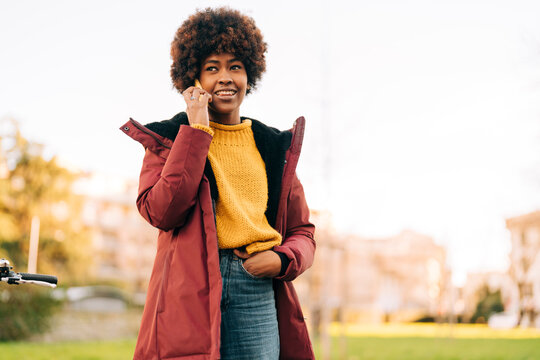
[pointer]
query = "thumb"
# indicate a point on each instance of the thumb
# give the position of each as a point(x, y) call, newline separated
point(241, 254)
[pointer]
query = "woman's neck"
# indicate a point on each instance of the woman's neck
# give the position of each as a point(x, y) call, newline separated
point(225, 119)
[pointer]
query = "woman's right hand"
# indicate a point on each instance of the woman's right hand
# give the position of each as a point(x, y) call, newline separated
point(197, 100)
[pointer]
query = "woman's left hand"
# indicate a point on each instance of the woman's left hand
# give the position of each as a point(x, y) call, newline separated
point(262, 264)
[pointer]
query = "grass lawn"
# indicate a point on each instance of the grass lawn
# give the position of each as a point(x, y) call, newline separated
point(395, 341)
point(416, 348)
point(106, 350)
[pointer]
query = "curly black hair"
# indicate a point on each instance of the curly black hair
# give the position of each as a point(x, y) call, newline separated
point(216, 31)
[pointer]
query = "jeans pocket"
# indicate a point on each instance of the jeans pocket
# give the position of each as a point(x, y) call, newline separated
point(247, 272)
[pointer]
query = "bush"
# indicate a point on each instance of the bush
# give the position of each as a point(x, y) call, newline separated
point(25, 311)
point(490, 303)
point(425, 319)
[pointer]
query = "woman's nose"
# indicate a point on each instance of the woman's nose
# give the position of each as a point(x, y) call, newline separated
point(225, 81)
point(225, 78)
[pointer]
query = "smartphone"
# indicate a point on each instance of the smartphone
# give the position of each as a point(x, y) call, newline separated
point(198, 84)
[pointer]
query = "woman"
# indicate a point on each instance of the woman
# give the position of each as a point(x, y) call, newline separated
point(234, 224)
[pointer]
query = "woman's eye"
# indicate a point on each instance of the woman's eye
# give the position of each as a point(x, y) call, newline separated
point(211, 68)
point(236, 67)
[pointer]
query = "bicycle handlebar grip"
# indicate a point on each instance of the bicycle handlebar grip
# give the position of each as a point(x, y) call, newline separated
point(38, 277)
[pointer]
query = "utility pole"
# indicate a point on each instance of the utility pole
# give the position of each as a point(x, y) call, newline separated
point(34, 244)
point(327, 139)
point(329, 303)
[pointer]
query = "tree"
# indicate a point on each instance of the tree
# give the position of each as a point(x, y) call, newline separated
point(489, 304)
point(31, 185)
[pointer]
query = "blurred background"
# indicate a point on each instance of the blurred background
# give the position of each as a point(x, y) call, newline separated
point(421, 164)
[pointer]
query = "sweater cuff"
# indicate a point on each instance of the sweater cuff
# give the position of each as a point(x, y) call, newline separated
point(284, 262)
point(204, 128)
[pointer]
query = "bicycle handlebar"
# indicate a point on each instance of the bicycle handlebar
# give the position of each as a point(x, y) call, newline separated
point(39, 277)
point(11, 277)
point(18, 280)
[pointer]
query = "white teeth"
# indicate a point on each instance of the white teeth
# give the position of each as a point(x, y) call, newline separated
point(225, 92)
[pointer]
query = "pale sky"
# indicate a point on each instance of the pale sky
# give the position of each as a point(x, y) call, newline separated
point(421, 115)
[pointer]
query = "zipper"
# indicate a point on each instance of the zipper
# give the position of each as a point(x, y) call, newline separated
point(145, 130)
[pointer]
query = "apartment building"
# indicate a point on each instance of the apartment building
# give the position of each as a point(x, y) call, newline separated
point(525, 265)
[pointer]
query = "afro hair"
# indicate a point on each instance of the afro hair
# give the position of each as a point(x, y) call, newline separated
point(216, 31)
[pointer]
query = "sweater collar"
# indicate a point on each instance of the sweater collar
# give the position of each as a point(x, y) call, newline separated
point(245, 124)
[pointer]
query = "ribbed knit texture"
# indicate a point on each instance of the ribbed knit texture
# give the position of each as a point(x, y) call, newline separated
point(243, 189)
point(204, 128)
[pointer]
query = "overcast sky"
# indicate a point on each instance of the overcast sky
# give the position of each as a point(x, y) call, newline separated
point(421, 115)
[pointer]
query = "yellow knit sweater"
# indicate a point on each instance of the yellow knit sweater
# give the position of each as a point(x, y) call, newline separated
point(243, 189)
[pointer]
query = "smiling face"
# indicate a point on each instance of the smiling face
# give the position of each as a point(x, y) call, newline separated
point(225, 78)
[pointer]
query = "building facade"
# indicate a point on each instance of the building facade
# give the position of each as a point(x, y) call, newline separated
point(525, 265)
point(398, 278)
point(124, 243)
point(401, 278)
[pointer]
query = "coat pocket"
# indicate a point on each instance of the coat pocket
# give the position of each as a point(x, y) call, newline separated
point(164, 280)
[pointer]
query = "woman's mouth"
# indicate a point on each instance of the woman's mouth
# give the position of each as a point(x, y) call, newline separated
point(225, 93)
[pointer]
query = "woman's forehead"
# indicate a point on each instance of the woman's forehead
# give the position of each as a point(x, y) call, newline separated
point(221, 57)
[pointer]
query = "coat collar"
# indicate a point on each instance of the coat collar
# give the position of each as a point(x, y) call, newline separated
point(271, 143)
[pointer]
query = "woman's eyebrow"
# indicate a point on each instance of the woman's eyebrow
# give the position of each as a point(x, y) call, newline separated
point(217, 62)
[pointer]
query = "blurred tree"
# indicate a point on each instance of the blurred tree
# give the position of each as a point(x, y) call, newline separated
point(31, 185)
point(489, 303)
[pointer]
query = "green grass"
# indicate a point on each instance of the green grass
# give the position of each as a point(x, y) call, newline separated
point(109, 350)
point(417, 348)
point(387, 342)
point(358, 348)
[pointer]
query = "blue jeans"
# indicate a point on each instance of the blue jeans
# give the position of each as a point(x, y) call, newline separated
point(249, 328)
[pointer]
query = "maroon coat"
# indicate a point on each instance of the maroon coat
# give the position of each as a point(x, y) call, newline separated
point(181, 318)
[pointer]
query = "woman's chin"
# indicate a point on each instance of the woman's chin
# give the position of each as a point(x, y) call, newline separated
point(220, 111)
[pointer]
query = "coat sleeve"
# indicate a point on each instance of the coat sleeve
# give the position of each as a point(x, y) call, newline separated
point(299, 243)
point(168, 187)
